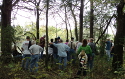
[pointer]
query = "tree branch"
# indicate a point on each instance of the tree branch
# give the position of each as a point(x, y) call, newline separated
point(15, 2)
point(105, 29)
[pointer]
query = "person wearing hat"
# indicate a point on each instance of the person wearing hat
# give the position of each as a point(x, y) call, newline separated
point(71, 53)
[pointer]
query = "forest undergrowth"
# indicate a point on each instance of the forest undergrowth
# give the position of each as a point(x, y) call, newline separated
point(102, 70)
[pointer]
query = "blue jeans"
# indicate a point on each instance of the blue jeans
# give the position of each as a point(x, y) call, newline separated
point(92, 60)
point(71, 55)
point(56, 58)
point(26, 61)
point(34, 63)
point(89, 61)
point(108, 54)
point(60, 61)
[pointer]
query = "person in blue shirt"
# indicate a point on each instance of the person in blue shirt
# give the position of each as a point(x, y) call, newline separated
point(108, 47)
point(62, 53)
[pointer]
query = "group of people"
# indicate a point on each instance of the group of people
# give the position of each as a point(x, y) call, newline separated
point(31, 51)
point(62, 52)
point(69, 50)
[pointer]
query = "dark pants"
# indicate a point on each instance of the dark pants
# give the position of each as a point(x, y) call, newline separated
point(71, 55)
point(81, 71)
point(41, 55)
point(26, 61)
point(55, 57)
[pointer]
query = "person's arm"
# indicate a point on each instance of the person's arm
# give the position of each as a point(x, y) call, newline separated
point(30, 49)
point(41, 49)
point(67, 48)
point(90, 50)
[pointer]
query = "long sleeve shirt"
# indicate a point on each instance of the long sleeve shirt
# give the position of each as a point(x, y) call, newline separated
point(62, 48)
point(87, 49)
point(35, 49)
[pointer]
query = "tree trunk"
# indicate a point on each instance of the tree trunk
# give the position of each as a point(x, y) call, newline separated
point(76, 31)
point(81, 21)
point(5, 31)
point(119, 38)
point(37, 21)
point(91, 18)
point(66, 23)
point(46, 62)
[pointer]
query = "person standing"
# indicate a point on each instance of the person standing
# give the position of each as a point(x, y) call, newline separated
point(87, 50)
point(67, 41)
point(42, 44)
point(93, 47)
point(108, 47)
point(71, 53)
point(26, 54)
point(62, 49)
point(112, 48)
point(35, 51)
point(82, 63)
point(55, 51)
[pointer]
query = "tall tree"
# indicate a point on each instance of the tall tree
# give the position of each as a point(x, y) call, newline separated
point(37, 18)
point(66, 21)
point(74, 17)
point(91, 18)
point(47, 9)
point(120, 36)
point(81, 21)
point(6, 31)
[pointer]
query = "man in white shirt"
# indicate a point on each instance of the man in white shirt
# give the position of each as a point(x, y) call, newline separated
point(35, 51)
point(26, 54)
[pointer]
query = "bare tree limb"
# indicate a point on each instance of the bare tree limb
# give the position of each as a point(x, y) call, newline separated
point(15, 2)
point(104, 29)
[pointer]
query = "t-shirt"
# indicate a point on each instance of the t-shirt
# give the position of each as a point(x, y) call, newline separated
point(108, 45)
point(35, 49)
point(25, 45)
point(42, 42)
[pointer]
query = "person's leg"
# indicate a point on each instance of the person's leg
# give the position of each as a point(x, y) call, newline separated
point(79, 70)
point(91, 61)
point(32, 63)
point(65, 62)
point(23, 61)
point(108, 52)
point(60, 62)
point(73, 56)
point(88, 63)
point(28, 58)
point(84, 72)
point(41, 55)
point(36, 62)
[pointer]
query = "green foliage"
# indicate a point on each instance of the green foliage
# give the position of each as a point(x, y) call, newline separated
point(102, 69)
